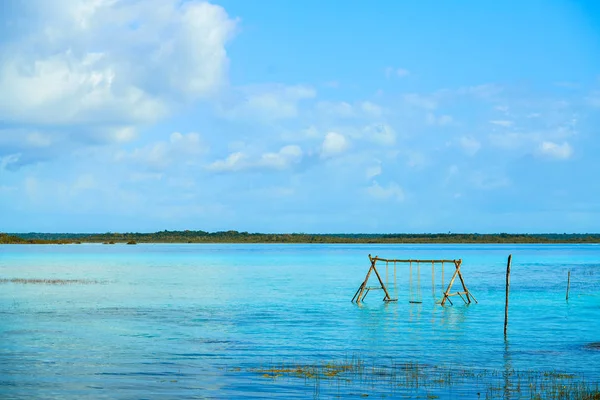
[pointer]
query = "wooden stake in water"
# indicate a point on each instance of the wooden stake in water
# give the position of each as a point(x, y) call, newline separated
point(568, 283)
point(507, 288)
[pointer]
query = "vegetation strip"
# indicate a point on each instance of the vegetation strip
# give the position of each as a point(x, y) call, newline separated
point(245, 237)
point(51, 281)
point(431, 381)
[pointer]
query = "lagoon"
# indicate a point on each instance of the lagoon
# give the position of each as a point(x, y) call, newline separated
point(207, 320)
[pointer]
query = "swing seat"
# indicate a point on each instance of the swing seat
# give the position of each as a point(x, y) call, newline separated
point(415, 302)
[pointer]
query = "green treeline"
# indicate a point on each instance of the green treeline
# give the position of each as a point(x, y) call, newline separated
point(31, 239)
point(245, 237)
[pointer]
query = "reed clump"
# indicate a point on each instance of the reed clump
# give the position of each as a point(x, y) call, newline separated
point(353, 376)
point(25, 281)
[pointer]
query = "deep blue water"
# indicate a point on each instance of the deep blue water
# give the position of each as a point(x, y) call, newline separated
point(193, 321)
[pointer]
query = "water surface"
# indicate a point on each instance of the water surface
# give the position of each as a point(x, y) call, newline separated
point(197, 320)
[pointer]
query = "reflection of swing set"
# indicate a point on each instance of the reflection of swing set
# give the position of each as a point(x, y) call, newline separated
point(363, 290)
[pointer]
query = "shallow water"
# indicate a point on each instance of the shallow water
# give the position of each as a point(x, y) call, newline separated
point(196, 321)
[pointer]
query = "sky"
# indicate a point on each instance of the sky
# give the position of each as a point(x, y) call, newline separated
point(300, 116)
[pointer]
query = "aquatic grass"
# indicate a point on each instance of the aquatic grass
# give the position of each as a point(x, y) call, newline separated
point(353, 377)
point(25, 281)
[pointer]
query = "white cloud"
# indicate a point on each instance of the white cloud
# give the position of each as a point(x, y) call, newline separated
point(283, 159)
point(371, 109)
point(180, 148)
point(374, 170)
point(266, 102)
point(381, 133)
point(556, 151)
point(111, 62)
point(8, 160)
point(469, 145)
point(504, 123)
point(390, 192)
point(334, 143)
point(233, 162)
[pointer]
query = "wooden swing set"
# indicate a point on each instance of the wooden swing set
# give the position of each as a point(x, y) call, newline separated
point(363, 290)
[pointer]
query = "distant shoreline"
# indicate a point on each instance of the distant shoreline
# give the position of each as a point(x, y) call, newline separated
point(300, 238)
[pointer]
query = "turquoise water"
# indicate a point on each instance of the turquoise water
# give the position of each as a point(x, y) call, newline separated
point(196, 321)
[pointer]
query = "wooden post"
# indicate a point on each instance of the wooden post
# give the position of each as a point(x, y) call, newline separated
point(507, 289)
point(568, 283)
point(433, 279)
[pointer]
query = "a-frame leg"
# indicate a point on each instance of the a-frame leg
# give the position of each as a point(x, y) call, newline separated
point(360, 293)
point(362, 287)
point(466, 292)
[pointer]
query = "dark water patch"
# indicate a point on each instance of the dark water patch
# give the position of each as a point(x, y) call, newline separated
point(592, 346)
point(24, 281)
point(144, 374)
point(31, 331)
point(191, 355)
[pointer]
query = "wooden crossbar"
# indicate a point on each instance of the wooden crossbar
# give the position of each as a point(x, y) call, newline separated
point(412, 260)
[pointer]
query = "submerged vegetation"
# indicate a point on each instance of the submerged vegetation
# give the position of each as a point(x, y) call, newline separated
point(357, 378)
point(245, 237)
point(25, 281)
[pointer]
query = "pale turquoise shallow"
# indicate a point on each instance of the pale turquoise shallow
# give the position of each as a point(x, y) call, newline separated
point(176, 321)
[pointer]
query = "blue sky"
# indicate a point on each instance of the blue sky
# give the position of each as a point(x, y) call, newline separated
point(310, 116)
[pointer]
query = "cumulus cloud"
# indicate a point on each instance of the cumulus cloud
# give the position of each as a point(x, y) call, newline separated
point(390, 192)
point(333, 144)
point(556, 151)
point(284, 158)
point(233, 162)
point(109, 63)
point(237, 161)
